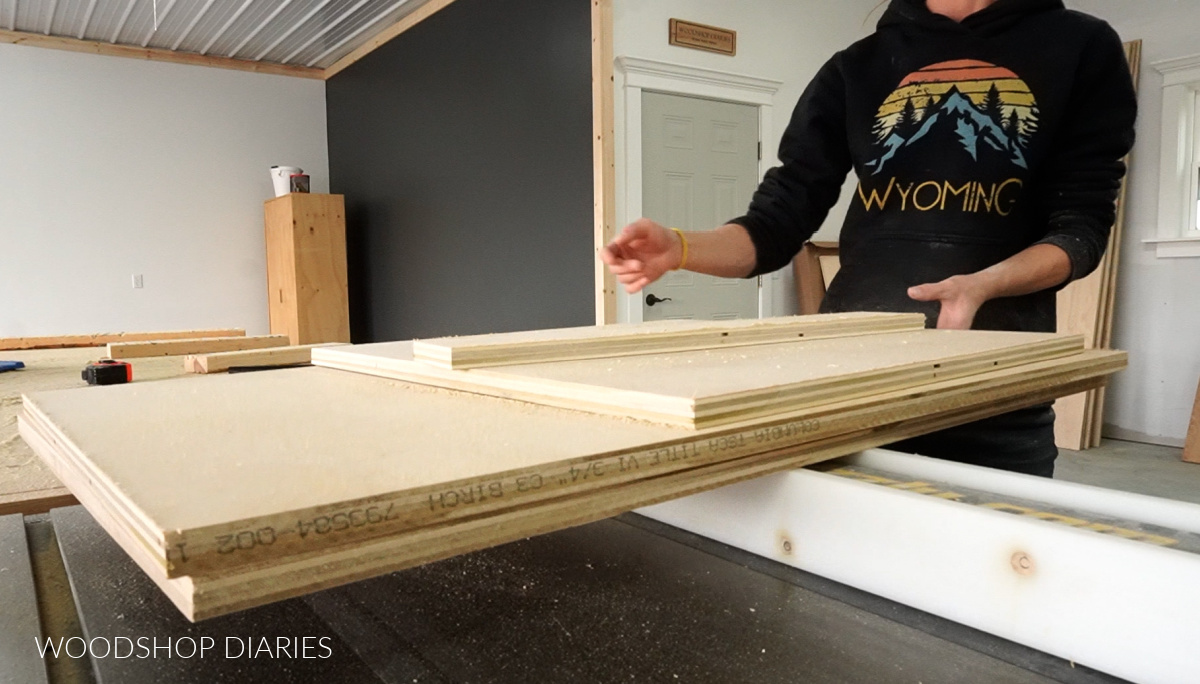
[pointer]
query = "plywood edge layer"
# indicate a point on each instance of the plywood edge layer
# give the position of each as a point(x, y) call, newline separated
point(593, 342)
point(134, 350)
point(217, 362)
point(101, 339)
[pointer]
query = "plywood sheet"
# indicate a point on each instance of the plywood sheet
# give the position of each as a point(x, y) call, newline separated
point(206, 595)
point(590, 342)
point(715, 386)
point(412, 462)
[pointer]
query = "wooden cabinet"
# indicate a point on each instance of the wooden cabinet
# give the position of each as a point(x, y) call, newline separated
point(306, 268)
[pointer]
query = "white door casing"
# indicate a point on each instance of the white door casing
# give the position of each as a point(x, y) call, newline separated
point(633, 75)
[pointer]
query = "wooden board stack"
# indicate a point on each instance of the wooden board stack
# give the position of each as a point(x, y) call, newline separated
point(251, 488)
point(1085, 307)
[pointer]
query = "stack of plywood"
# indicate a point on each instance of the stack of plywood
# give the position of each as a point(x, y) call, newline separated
point(246, 489)
point(1085, 307)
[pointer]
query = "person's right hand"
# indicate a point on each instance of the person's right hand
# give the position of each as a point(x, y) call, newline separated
point(642, 253)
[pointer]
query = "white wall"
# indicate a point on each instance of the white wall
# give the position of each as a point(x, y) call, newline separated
point(112, 166)
point(782, 40)
point(1157, 316)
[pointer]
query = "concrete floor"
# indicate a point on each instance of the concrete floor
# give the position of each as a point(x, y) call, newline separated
point(1132, 467)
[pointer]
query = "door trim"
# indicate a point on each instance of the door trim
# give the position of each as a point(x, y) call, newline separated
point(633, 75)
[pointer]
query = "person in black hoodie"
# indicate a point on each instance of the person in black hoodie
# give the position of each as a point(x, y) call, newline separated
point(987, 137)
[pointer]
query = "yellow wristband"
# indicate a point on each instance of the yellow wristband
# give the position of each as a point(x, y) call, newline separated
point(683, 257)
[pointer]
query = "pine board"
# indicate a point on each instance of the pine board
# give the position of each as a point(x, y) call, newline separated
point(218, 362)
point(101, 339)
point(955, 401)
point(135, 350)
point(591, 342)
point(710, 387)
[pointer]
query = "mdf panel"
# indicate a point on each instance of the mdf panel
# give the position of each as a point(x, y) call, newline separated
point(306, 268)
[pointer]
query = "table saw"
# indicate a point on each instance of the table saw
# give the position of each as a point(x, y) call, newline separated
point(635, 599)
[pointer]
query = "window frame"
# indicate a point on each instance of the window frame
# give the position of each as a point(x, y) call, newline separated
point(1179, 164)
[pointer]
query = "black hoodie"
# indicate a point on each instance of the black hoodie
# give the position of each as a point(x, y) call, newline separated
point(971, 141)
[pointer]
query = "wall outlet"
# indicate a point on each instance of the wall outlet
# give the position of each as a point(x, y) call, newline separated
point(137, 281)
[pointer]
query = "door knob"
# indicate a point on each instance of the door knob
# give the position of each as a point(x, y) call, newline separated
point(651, 300)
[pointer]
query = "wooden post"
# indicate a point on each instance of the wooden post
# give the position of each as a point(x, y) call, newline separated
point(603, 156)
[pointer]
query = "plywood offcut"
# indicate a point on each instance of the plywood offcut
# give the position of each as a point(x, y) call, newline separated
point(622, 339)
point(710, 387)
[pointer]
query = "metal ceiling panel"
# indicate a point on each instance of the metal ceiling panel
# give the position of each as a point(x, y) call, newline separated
point(296, 32)
point(255, 15)
point(294, 13)
point(327, 14)
point(332, 32)
point(349, 38)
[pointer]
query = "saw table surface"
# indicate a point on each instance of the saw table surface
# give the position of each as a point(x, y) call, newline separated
point(620, 600)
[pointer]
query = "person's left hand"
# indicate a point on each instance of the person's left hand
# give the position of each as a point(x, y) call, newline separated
point(960, 297)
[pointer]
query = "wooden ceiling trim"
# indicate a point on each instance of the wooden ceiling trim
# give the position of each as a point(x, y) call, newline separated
point(156, 54)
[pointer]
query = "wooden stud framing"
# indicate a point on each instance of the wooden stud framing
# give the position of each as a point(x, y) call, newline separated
point(603, 156)
point(156, 54)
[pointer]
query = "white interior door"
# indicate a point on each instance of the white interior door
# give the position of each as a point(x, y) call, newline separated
point(699, 169)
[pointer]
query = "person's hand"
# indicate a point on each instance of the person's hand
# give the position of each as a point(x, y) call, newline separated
point(960, 297)
point(642, 253)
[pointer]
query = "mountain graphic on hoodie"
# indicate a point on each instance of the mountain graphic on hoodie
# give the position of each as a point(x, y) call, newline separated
point(955, 121)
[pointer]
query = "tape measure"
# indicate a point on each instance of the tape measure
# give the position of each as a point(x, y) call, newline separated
point(108, 372)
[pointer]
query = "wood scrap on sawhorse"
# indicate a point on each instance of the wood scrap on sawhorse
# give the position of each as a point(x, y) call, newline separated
point(101, 339)
point(508, 428)
point(711, 387)
point(134, 350)
point(626, 339)
point(273, 356)
point(810, 276)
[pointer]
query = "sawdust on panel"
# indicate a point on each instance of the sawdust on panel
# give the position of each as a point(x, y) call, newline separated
point(358, 436)
point(21, 470)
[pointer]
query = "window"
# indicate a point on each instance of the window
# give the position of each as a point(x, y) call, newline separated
point(1179, 167)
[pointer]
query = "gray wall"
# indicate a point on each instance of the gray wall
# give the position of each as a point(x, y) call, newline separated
point(464, 150)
